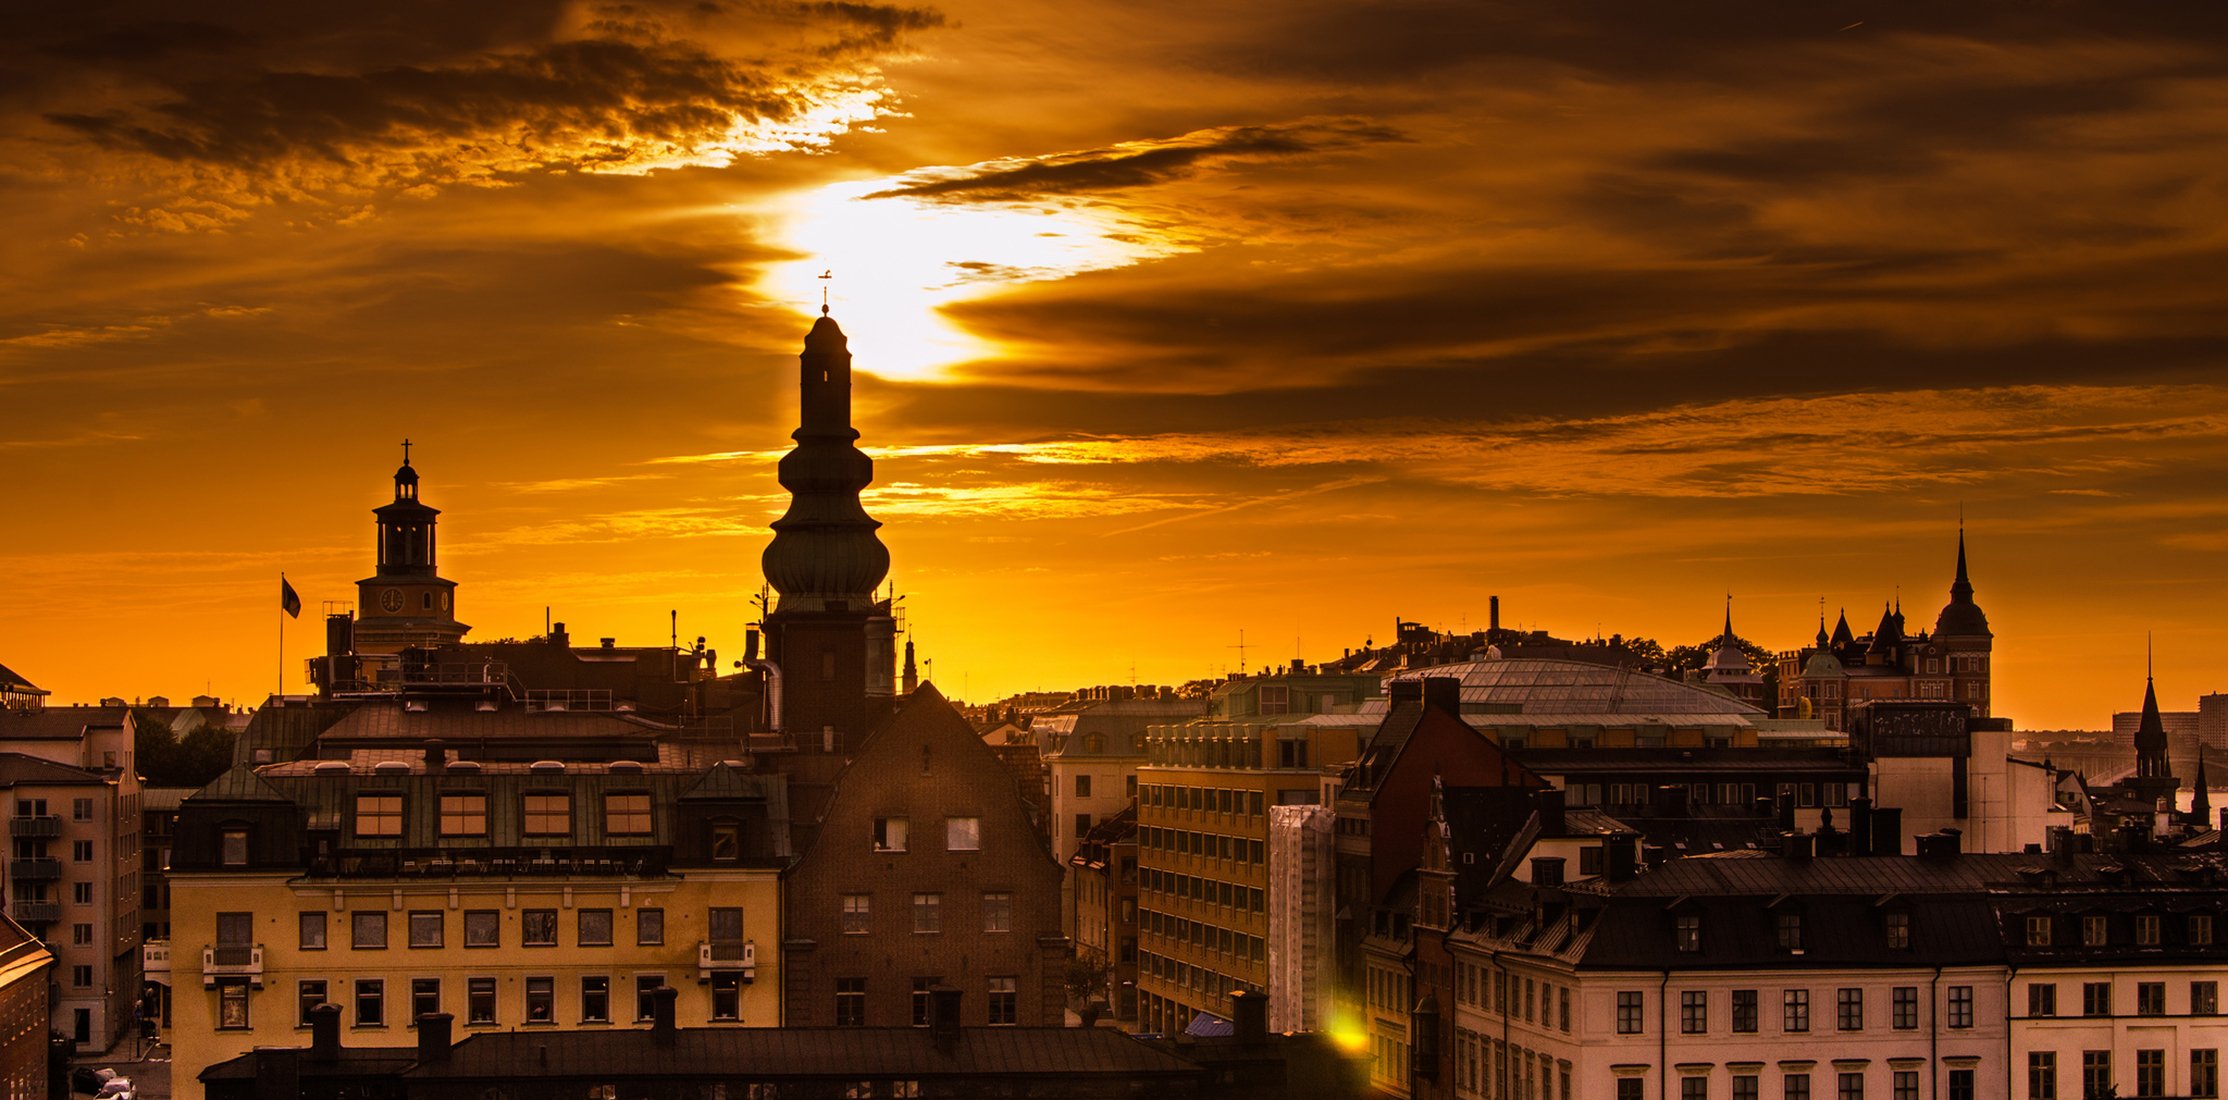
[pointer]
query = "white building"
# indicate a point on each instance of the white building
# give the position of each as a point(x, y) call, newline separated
point(1303, 900)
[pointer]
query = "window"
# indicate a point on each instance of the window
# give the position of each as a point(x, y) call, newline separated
point(1905, 1084)
point(2042, 999)
point(962, 834)
point(850, 1002)
point(2204, 1072)
point(626, 813)
point(81, 809)
point(233, 846)
point(483, 928)
point(2096, 1072)
point(371, 1002)
point(378, 815)
point(1794, 1010)
point(2042, 1075)
point(2096, 998)
point(1629, 1012)
point(464, 813)
point(1694, 1012)
point(1746, 1086)
point(2150, 1072)
point(537, 927)
point(595, 928)
point(724, 924)
point(425, 929)
point(1744, 1011)
point(889, 834)
point(1898, 931)
point(727, 995)
point(308, 994)
point(928, 913)
point(1849, 1008)
point(997, 912)
point(2146, 930)
point(595, 999)
point(232, 1006)
point(1850, 1086)
point(425, 997)
point(1790, 929)
point(81, 851)
point(367, 931)
point(81, 934)
point(727, 840)
point(479, 1001)
point(1004, 1001)
point(1693, 1088)
point(649, 927)
point(1961, 1006)
point(1563, 1003)
point(1904, 1008)
point(1631, 1088)
point(2038, 931)
point(2150, 998)
point(1082, 785)
point(2092, 932)
point(921, 986)
point(645, 995)
point(1794, 1086)
point(1687, 932)
point(2201, 930)
point(1083, 826)
point(858, 914)
point(81, 893)
point(548, 813)
point(541, 1000)
point(81, 976)
point(2204, 998)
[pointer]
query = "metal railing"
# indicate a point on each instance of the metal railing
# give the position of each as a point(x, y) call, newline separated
point(35, 869)
point(35, 826)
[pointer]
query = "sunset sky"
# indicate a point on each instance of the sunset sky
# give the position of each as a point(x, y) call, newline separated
point(1175, 319)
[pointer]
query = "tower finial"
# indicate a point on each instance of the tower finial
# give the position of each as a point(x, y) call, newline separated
point(827, 275)
point(406, 452)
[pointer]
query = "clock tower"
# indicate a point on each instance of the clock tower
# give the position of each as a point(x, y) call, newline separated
point(407, 603)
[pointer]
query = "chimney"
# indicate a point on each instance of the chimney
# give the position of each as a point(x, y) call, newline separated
point(1443, 693)
point(1799, 846)
point(1493, 613)
point(610, 643)
point(324, 1033)
point(1887, 830)
point(1621, 858)
point(1404, 691)
point(2060, 842)
point(943, 1017)
point(663, 1032)
point(1551, 811)
point(1547, 870)
point(1249, 1016)
point(1860, 826)
point(558, 637)
point(278, 1073)
point(433, 1038)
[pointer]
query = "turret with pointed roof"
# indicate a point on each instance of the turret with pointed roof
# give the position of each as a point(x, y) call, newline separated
point(1961, 617)
point(2150, 735)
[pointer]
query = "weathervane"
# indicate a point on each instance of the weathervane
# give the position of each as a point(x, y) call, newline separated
point(826, 276)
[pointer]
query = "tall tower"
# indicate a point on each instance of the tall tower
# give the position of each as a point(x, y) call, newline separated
point(1961, 630)
point(827, 632)
point(407, 603)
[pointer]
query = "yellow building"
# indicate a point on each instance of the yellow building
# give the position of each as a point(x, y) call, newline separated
point(513, 895)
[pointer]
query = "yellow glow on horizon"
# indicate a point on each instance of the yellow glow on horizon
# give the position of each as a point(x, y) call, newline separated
point(896, 261)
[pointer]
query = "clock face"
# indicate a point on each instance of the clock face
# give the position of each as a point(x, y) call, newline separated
point(391, 599)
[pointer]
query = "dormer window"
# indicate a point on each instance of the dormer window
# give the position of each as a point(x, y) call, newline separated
point(1897, 931)
point(547, 813)
point(232, 846)
point(727, 840)
point(2092, 932)
point(1687, 933)
point(2146, 930)
point(379, 814)
point(1789, 929)
point(2038, 931)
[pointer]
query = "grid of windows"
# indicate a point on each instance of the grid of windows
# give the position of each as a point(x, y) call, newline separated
point(1961, 1006)
point(1629, 1012)
point(1849, 1008)
point(1794, 1010)
point(1694, 1012)
point(1905, 1008)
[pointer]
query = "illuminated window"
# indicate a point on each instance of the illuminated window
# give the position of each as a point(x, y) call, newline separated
point(548, 814)
point(378, 815)
point(464, 814)
point(626, 813)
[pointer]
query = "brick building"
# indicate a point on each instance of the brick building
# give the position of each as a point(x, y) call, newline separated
point(924, 870)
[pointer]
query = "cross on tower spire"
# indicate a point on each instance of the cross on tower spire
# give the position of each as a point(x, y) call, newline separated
point(406, 452)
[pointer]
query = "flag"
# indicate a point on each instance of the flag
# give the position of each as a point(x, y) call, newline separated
point(289, 602)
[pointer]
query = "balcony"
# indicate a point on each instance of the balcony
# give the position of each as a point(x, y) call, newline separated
point(35, 911)
point(711, 957)
point(154, 961)
point(36, 869)
point(35, 826)
point(232, 960)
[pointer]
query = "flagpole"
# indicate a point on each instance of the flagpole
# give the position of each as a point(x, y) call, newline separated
point(282, 636)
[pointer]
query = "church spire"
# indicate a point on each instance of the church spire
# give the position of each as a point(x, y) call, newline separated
point(1961, 617)
point(825, 555)
point(2150, 733)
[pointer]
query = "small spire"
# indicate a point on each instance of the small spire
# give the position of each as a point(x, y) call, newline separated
point(1727, 637)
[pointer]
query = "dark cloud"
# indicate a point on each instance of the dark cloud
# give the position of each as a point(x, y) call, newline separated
point(1138, 163)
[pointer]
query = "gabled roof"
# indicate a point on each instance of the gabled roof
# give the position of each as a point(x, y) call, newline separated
point(1579, 687)
point(11, 682)
point(19, 768)
point(239, 784)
